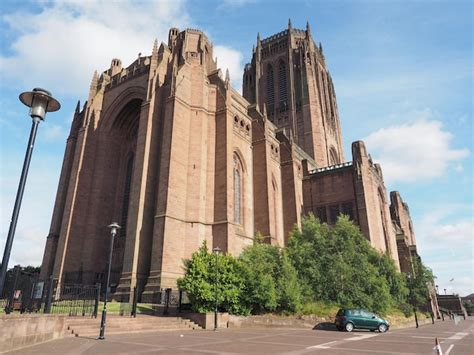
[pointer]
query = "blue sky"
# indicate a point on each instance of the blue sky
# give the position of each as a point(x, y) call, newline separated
point(402, 71)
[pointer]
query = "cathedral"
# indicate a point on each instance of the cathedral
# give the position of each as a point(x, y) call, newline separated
point(169, 150)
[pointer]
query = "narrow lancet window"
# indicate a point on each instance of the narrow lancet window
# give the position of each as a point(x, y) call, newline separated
point(282, 82)
point(237, 191)
point(270, 89)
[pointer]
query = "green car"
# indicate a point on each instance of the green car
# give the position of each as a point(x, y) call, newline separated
point(350, 319)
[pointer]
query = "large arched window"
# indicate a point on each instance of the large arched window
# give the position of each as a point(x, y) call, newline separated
point(238, 189)
point(270, 87)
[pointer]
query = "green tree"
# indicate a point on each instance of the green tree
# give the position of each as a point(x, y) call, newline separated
point(288, 287)
point(334, 265)
point(304, 251)
point(418, 281)
point(209, 276)
point(260, 269)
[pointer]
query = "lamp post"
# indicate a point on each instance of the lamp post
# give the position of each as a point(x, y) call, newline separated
point(40, 102)
point(114, 227)
point(410, 285)
point(437, 289)
point(216, 251)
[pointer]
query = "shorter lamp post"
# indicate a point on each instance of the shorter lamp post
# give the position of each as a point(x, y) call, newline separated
point(114, 227)
point(216, 252)
point(437, 289)
point(40, 102)
point(410, 286)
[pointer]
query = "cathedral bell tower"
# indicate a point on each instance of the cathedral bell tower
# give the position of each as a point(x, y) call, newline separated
point(288, 78)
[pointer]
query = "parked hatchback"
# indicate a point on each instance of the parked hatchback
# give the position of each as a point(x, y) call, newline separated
point(350, 319)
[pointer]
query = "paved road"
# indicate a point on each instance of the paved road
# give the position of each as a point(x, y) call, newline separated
point(455, 340)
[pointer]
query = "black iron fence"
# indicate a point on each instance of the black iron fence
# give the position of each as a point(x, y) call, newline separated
point(173, 301)
point(21, 291)
point(75, 300)
point(24, 292)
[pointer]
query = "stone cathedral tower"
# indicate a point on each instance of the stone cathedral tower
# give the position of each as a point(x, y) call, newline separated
point(288, 78)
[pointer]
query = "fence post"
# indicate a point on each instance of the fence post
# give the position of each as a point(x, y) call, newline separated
point(11, 298)
point(167, 301)
point(49, 295)
point(97, 300)
point(135, 301)
point(180, 300)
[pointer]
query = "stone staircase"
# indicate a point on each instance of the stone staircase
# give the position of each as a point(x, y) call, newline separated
point(451, 304)
point(90, 327)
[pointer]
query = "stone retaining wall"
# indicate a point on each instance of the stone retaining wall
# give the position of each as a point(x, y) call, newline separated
point(312, 322)
point(206, 320)
point(18, 331)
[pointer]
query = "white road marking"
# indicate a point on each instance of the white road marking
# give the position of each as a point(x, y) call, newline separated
point(360, 337)
point(324, 346)
point(449, 349)
point(457, 336)
point(337, 342)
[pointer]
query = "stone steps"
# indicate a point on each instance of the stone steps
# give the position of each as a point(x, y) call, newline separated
point(118, 325)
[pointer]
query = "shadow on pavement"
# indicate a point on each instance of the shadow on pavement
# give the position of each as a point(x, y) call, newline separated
point(325, 326)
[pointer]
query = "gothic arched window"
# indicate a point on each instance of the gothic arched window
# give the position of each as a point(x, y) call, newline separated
point(282, 82)
point(298, 90)
point(274, 205)
point(238, 190)
point(270, 86)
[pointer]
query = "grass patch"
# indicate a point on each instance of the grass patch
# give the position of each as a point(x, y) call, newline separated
point(115, 307)
point(320, 309)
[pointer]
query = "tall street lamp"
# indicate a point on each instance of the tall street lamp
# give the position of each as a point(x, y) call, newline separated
point(216, 252)
point(40, 102)
point(410, 286)
point(114, 227)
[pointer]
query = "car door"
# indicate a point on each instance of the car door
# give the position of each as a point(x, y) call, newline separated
point(357, 318)
point(370, 320)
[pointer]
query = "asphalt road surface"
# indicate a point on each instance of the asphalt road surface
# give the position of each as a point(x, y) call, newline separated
point(455, 339)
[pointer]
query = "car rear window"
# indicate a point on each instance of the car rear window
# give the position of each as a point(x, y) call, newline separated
point(344, 312)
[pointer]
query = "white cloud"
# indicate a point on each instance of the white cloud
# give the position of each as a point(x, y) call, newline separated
point(53, 133)
point(445, 241)
point(75, 38)
point(416, 151)
point(231, 4)
point(458, 231)
point(229, 58)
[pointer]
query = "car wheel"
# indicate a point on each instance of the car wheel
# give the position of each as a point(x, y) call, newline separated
point(349, 327)
point(382, 328)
